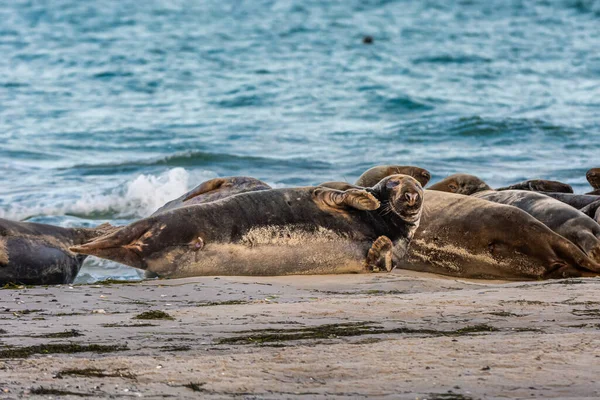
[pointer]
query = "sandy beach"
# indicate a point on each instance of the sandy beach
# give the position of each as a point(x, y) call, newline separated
point(398, 335)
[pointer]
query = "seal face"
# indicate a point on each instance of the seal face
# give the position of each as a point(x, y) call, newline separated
point(540, 185)
point(38, 254)
point(461, 184)
point(593, 177)
point(269, 232)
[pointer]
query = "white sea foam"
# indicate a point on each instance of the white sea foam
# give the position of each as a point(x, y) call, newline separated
point(137, 198)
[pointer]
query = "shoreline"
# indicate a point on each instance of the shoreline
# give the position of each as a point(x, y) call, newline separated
point(398, 335)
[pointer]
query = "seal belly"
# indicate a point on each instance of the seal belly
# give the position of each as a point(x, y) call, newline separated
point(272, 250)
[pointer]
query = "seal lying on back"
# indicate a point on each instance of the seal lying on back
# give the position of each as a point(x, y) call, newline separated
point(540, 185)
point(272, 232)
point(38, 254)
point(561, 218)
point(215, 189)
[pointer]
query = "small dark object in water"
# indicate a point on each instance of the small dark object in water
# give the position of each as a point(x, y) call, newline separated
point(368, 39)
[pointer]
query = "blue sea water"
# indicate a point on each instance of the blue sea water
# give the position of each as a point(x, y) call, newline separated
point(109, 109)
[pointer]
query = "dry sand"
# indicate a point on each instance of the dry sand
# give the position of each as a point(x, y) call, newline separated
point(398, 335)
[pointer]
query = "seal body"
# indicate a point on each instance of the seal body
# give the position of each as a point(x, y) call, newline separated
point(572, 224)
point(215, 189)
point(38, 254)
point(577, 201)
point(474, 238)
point(540, 185)
point(273, 232)
point(592, 210)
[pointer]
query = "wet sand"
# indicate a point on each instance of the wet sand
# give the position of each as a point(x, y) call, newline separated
point(398, 335)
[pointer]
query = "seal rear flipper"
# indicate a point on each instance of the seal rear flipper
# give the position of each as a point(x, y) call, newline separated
point(124, 245)
point(573, 257)
point(379, 257)
point(359, 199)
point(592, 210)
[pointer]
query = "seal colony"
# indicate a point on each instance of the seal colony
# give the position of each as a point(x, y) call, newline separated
point(459, 226)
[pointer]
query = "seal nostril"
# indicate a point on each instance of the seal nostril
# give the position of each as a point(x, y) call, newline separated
point(411, 198)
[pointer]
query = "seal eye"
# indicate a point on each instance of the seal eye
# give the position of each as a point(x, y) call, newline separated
point(453, 187)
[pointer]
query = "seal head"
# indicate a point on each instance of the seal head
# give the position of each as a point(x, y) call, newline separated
point(593, 177)
point(401, 195)
point(375, 174)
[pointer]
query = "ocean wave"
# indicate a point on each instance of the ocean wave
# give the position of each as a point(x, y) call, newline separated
point(137, 198)
point(202, 158)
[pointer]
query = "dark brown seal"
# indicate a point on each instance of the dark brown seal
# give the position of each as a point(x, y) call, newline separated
point(215, 189)
point(272, 232)
point(593, 177)
point(559, 217)
point(540, 185)
point(38, 254)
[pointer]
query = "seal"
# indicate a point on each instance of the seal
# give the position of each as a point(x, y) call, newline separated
point(38, 254)
point(475, 238)
point(460, 184)
point(310, 230)
point(593, 177)
point(540, 185)
point(215, 189)
point(592, 210)
point(566, 221)
point(376, 174)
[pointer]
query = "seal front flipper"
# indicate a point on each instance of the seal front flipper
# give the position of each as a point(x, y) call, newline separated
point(379, 257)
point(205, 187)
point(354, 198)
